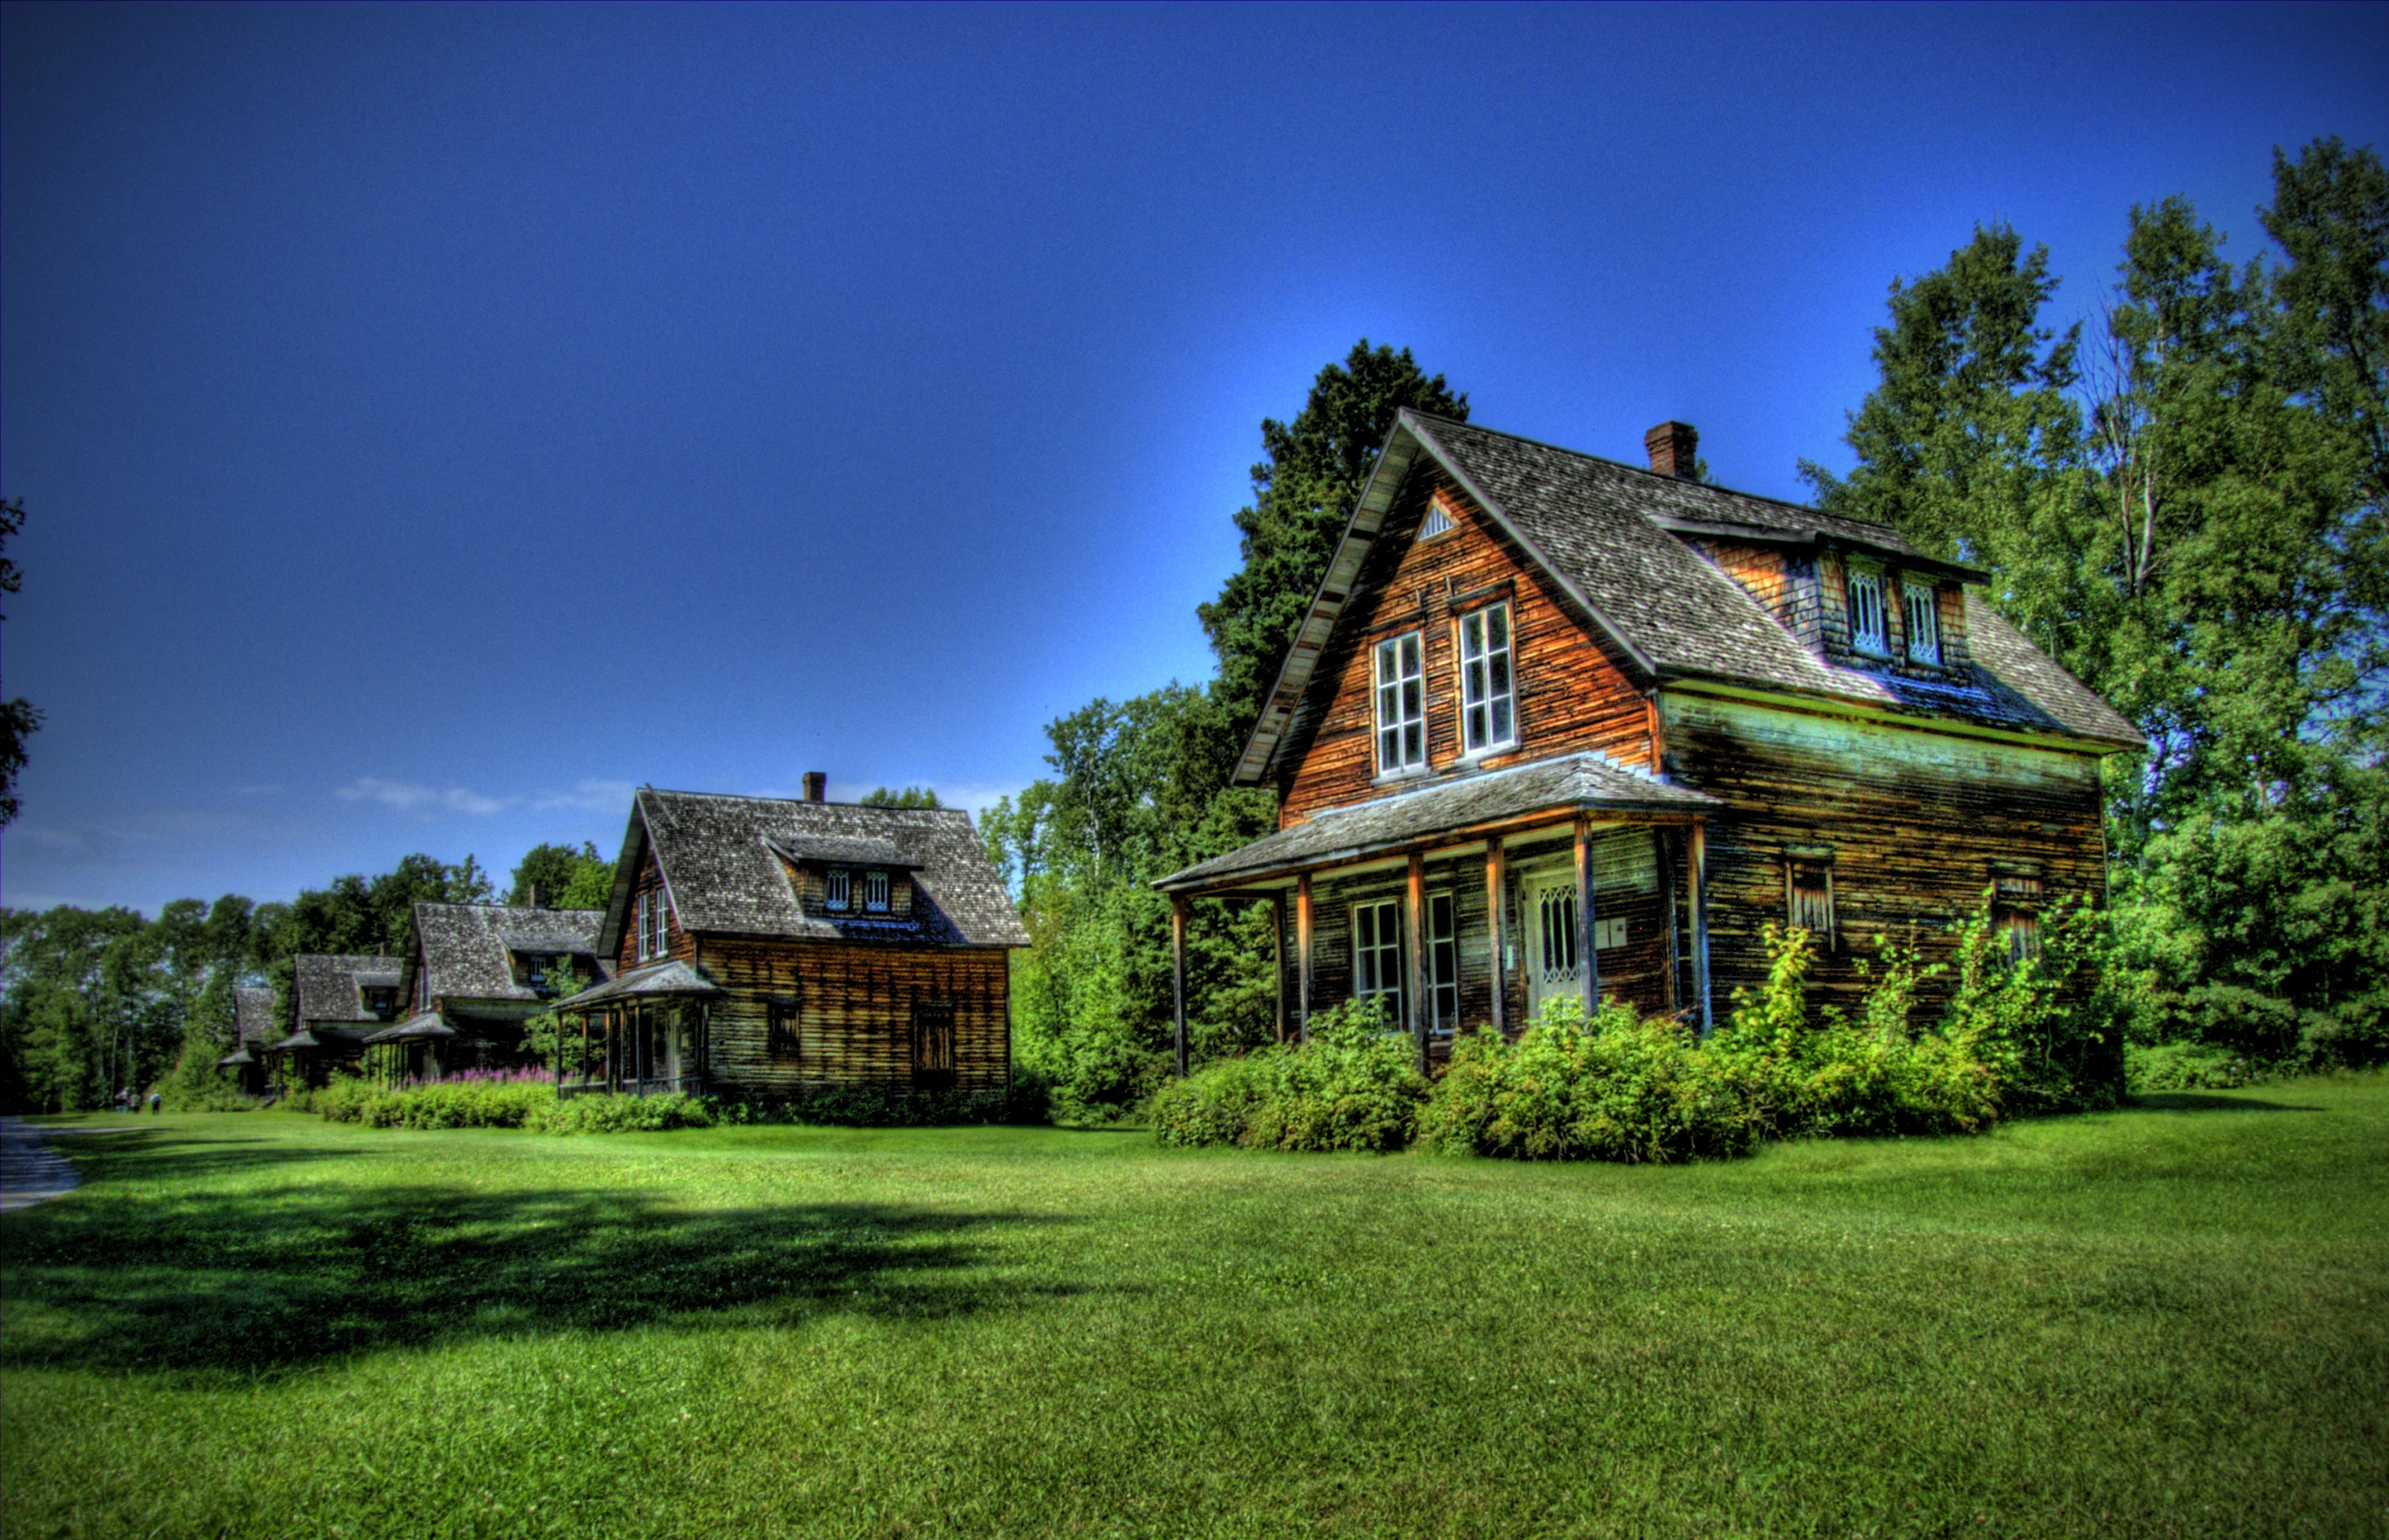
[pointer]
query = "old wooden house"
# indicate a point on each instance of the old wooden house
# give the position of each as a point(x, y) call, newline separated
point(1555, 724)
point(476, 975)
point(251, 1028)
point(338, 1002)
point(762, 948)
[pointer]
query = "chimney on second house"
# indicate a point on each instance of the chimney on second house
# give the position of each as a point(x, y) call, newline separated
point(1674, 449)
point(817, 787)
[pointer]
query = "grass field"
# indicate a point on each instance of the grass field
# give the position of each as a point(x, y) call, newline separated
point(2167, 1320)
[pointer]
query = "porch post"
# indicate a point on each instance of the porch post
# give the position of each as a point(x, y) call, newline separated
point(1496, 884)
point(1586, 956)
point(1698, 878)
point(1178, 974)
point(1414, 923)
point(1278, 961)
point(1664, 851)
point(1302, 927)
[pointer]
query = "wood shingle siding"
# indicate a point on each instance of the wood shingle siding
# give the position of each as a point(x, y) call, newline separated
point(854, 1014)
point(1572, 688)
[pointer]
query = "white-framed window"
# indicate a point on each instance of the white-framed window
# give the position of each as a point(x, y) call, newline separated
point(1437, 521)
point(1866, 611)
point(1488, 698)
point(1923, 613)
point(652, 918)
point(838, 889)
point(1402, 704)
point(1377, 954)
point(875, 892)
point(1443, 963)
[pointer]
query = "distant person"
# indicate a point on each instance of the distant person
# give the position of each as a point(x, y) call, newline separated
point(123, 1099)
point(156, 1101)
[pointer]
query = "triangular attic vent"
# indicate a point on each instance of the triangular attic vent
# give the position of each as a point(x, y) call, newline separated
point(1437, 522)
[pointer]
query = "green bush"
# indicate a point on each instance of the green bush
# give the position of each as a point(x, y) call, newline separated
point(1620, 1086)
point(874, 1108)
point(620, 1114)
point(1354, 1086)
point(2184, 1066)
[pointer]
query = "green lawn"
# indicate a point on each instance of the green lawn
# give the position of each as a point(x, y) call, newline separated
point(2168, 1320)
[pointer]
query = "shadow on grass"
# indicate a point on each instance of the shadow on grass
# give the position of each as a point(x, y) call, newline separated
point(2204, 1101)
point(268, 1282)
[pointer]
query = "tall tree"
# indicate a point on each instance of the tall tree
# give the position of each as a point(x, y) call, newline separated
point(560, 877)
point(19, 720)
point(1302, 496)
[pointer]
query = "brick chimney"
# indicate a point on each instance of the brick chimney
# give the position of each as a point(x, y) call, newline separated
point(1674, 449)
point(817, 787)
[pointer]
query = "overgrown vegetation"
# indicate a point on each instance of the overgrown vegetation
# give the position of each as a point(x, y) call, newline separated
point(497, 1099)
point(2018, 1036)
point(1353, 1086)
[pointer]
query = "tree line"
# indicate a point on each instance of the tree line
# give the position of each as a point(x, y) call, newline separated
point(2181, 501)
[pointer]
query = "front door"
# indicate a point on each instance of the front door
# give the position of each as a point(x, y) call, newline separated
point(933, 1044)
point(1554, 970)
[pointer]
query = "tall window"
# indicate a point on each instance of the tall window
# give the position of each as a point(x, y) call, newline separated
point(1866, 611)
point(838, 889)
point(1555, 935)
point(1443, 962)
point(1924, 622)
point(1809, 886)
point(875, 892)
point(1377, 954)
point(1401, 705)
point(781, 1026)
point(651, 925)
point(1488, 713)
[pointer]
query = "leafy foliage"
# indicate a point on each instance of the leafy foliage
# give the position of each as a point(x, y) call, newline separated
point(19, 718)
point(562, 878)
point(1353, 1086)
point(910, 797)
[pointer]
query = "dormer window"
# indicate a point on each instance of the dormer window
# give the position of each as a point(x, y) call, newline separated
point(875, 892)
point(1923, 615)
point(839, 890)
point(1866, 613)
point(1401, 705)
point(1488, 708)
point(382, 1003)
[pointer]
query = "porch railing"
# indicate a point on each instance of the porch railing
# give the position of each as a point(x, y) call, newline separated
point(692, 1084)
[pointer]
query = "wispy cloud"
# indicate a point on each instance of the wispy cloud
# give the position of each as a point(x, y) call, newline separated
point(586, 797)
point(410, 797)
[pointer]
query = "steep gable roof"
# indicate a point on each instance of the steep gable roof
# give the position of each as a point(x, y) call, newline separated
point(253, 1017)
point(464, 947)
point(722, 862)
point(328, 985)
point(1604, 533)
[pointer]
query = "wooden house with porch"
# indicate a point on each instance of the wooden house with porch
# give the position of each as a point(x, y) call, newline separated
point(338, 1002)
point(253, 1026)
point(762, 948)
point(1559, 725)
point(476, 975)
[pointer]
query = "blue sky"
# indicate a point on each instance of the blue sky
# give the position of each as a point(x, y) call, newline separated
point(437, 421)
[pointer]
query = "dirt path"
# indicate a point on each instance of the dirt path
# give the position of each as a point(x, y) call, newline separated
point(30, 1171)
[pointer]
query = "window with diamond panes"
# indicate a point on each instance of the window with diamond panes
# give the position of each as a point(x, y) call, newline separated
point(1866, 611)
point(1401, 705)
point(1925, 624)
point(1488, 708)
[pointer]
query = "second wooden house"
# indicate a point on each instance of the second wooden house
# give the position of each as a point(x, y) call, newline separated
point(762, 948)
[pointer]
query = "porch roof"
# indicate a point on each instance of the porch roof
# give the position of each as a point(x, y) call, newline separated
point(673, 979)
point(424, 1024)
point(1571, 784)
point(236, 1057)
point(302, 1038)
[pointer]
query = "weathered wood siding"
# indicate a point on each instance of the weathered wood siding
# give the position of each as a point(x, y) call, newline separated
point(1912, 822)
point(677, 943)
point(1574, 690)
point(854, 1014)
point(1633, 865)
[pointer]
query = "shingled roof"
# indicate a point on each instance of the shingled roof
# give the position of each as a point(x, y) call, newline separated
point(1584, 783)
point(327, 986)
point(721, 865)
point(464, 947)
point(1605, 533)
point(253, 1017)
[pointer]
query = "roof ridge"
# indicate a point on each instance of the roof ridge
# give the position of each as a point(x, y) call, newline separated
point(1628, 465)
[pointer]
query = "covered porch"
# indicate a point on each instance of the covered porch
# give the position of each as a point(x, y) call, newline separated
point(645, 1034)
point(1468, 905)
